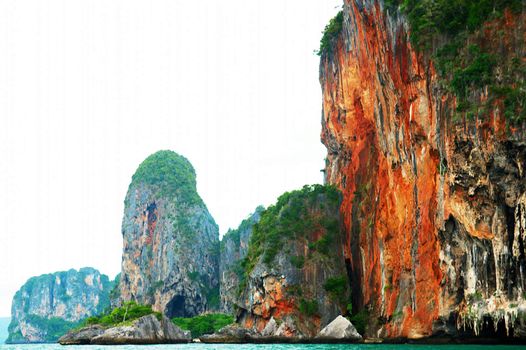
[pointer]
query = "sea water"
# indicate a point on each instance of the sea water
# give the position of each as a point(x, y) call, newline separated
point(197, 346)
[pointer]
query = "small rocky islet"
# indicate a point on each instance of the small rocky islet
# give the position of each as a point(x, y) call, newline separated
point(419, 233)
point(47, 306)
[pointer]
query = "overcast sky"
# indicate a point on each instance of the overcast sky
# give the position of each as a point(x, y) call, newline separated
point(88, 89)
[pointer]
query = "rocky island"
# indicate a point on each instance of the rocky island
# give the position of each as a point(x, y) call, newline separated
point(418, 234)
point(49, 305)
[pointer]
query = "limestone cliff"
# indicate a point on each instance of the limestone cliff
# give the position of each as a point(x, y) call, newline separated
point(234, 248)
point(47, 306)
point(425, 138)
point(170, 241)
point(294, 280)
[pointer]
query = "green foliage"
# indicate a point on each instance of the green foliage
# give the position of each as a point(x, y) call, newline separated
point(477, 73)
point(203, 324)
point(465, 68)
point(360, 321)
point(297, 261)
point(469, 69)
point(349, 308)
point(308, 307)
point(430, 18)
point(212, 296)
point(337, 288)
point(182, 224)
point(289, 219)
point(232, 235)
point(330, 33)
point(238, 269)
point(172, 173)
point(514, 102)
point(295, 290)
point(194, 275)
point(322, 245)
point(442, 27)
point(127, 313)
point(214, 300)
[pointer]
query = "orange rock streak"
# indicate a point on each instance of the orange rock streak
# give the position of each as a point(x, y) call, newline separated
point(378, 120)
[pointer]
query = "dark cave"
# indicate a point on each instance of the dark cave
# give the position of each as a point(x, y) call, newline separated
point(176, 307)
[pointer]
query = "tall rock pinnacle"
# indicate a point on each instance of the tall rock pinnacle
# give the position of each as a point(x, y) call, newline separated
point(170, 240)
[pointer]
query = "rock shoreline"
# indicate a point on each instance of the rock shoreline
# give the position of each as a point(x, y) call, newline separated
point(149, 330)
point(145, 330)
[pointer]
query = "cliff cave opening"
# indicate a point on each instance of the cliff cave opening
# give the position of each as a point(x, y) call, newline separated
point(175, 308)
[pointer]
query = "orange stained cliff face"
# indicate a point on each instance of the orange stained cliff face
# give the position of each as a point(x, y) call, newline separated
point(397, 160)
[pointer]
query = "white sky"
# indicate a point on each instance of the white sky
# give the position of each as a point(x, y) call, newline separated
point(90, 88)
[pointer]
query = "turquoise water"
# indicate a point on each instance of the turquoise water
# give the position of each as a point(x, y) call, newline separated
point(262, 347)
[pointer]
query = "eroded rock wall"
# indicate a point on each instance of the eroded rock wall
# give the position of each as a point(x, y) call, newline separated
point(170, 241)
point(294, 252)
point(48, 304)
point(433, 209)
point(234, 248)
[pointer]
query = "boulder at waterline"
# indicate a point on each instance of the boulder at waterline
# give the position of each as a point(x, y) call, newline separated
point(341, 329)
point(145, 330)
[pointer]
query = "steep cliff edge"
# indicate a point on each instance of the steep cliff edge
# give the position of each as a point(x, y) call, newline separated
point(294, 280)
point(47, 306)
point(234, 249)
point(428, 148)
point(171, 242)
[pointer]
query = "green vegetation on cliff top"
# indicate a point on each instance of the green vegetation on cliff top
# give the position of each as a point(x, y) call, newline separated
point(308, 307)
point(447, 29)
point(330, 33)
point(235, 235)
point(290, 219)
point(172, 173)
point(429, 18)
point(125, 314)
point(337, 288)
point(203, 324)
